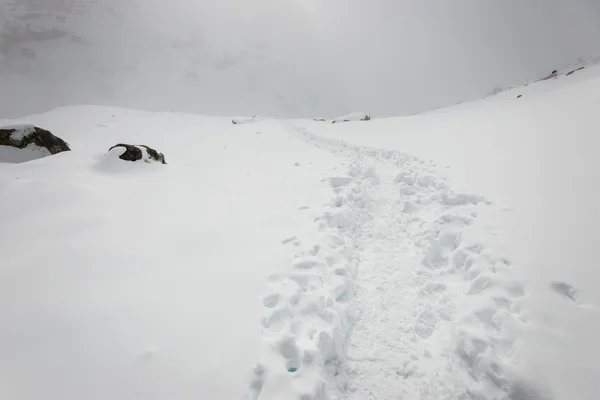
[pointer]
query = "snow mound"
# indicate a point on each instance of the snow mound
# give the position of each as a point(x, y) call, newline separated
point(245, 120)
point(121, 158)
point(310, 307)
point(12, 155)
point(139, 152)
point(355, 116)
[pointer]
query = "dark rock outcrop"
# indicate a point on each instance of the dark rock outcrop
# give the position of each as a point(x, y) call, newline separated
point(135, 153)
point(552, 75)
point(23, 135)
point(154, 155)
point(575, 70)
point(132, 153)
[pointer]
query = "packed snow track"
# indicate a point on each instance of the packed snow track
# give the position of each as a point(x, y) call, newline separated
point(400, 300)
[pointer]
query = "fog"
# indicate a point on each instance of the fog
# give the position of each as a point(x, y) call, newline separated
point(282, 57)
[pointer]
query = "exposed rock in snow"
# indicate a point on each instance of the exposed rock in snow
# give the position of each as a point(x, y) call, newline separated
point(575, 70)
point(554, 74)
point(20, 136)
point(25, 142)
point(138, 152)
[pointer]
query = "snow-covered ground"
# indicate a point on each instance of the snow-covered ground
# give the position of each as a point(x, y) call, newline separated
point(448, 255)
point(532, 242)
point(123, 280)
point(355, 116)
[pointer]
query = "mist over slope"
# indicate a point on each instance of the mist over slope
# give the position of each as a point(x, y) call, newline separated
point(292, 58)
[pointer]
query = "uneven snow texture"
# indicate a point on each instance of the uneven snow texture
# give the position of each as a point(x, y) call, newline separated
point(436, 310)
point(310, 308)
point(528, 255)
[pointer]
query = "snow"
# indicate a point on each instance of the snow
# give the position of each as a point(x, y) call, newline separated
point(428, 292)
point(10, 154)
point(535, 159)
point(145, 279)
point(20, 130)
point(355, 116)
point(447, 255)
point(245, 120)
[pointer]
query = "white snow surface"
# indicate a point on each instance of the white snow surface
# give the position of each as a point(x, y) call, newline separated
point(9, 154)
point(448, 255)
point(534, 159)
point(245, 120)
point(125, 280)
point(355, 116)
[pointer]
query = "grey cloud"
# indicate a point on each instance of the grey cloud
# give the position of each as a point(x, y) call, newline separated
point(282, 57)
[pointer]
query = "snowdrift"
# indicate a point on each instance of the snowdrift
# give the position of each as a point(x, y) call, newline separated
point(29, 153)
point(355, 116)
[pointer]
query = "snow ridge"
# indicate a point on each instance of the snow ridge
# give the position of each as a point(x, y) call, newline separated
point(310, 308)
point(438, 313)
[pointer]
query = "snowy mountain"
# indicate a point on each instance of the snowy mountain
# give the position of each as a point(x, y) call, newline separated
point(444, 255)
point(281, 58)
point(448, 255)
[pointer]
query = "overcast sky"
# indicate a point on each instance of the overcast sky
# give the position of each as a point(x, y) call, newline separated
point(283, 57)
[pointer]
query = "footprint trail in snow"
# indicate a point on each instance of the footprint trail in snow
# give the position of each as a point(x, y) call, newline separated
point(398, 300)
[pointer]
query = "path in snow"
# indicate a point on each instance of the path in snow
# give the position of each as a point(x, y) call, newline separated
point(437, 313)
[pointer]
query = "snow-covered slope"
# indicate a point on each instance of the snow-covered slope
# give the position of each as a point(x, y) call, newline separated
point(121, 280)
point(449, 255)
point(13, 155)
point(532, 152)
